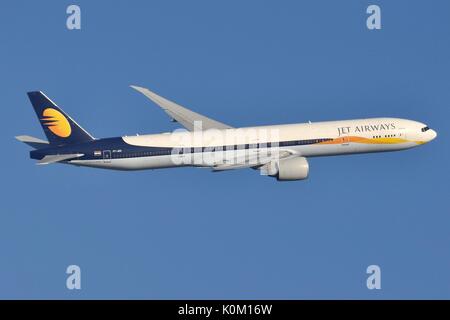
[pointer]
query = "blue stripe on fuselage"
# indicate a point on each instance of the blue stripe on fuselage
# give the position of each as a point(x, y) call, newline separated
point(115, 145)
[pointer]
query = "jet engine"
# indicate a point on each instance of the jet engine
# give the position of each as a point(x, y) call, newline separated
point(289, 169)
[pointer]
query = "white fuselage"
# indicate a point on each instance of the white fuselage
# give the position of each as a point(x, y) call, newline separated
point(304, 139)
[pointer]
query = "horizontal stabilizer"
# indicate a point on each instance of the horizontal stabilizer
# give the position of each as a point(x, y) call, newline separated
point(59, 157)
point(181, 114)
point(36, 143)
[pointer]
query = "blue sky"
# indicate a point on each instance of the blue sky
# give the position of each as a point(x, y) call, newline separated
point(193, 234)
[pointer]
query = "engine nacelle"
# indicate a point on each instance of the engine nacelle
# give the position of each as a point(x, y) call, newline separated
point(292, 169)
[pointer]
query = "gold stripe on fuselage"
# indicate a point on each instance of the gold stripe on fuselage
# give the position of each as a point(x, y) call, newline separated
point(356, 139)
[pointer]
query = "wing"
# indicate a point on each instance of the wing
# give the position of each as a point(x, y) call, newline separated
point(254, 161)
point(180, 114)
point(57, 158)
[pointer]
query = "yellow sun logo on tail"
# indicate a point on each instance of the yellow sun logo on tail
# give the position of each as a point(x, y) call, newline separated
point(56, 122)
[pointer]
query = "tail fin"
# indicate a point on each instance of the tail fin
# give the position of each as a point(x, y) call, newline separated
point(58, 126)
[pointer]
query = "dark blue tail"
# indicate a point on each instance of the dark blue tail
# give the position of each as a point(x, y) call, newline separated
point(58, 126)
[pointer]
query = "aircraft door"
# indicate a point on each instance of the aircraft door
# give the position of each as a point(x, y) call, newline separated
point(106, 156)
point(345, 141)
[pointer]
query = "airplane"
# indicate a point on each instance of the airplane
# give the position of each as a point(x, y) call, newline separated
point(279, 151)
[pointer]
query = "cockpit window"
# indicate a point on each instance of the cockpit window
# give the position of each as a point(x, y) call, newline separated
point(425, 129)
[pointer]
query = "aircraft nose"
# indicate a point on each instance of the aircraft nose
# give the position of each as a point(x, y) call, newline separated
point(432, 134)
